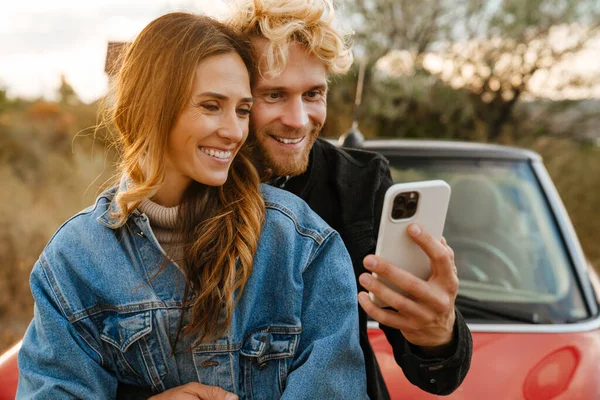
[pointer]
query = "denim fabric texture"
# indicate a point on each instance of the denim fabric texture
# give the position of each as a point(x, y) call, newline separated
point(100, 319)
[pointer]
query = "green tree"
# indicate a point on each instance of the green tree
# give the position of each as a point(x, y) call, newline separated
point(491, 48)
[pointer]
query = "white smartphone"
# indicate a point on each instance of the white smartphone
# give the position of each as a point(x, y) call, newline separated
point(425, 203)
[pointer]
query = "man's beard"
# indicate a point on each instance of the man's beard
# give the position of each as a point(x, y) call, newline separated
point(271, 166)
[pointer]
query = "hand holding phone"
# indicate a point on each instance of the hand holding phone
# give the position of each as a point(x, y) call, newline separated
point(424, 203)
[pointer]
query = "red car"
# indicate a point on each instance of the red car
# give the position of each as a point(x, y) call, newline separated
point(526, 290)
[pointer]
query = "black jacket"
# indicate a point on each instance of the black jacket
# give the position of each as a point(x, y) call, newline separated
point(346, 188)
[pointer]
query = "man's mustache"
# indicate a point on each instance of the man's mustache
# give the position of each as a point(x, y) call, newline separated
point(287, 132)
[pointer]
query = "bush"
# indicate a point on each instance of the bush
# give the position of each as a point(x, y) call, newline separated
point(48, 173)
point(575, 170)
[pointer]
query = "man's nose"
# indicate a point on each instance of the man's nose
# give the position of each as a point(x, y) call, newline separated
point(295, 115)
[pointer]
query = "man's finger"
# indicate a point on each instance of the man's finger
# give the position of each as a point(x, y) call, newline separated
point(390, 297)
point(440, 256)
point(386, 317)
point(444, 242)
point(415, 287)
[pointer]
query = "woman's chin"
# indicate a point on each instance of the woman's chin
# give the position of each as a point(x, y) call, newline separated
point(212, 181)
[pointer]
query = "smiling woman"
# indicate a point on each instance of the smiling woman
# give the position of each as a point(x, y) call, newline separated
point(210, 129)
point(170, 278)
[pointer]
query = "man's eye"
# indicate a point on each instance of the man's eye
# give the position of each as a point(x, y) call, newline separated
point(273, 96)
point(313, 95)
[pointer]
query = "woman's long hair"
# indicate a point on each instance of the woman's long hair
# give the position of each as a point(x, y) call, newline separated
point(220, 226)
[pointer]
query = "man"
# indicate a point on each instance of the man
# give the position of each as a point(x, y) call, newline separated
point(297, 48)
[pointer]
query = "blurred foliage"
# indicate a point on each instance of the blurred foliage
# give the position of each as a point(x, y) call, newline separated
point(492, 50)
point(51, 166)
point(575, 170)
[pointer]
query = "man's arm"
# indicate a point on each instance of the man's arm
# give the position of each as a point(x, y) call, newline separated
point(430, 339)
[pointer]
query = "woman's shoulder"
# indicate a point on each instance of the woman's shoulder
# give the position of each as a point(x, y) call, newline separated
point(84, 254)
point(285, 207)
point(84, 224)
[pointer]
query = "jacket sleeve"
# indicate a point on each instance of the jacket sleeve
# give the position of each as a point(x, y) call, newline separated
point(439, 376)
point(382, 184)
point(55, 362)
point(328, 363)
point(434, 375)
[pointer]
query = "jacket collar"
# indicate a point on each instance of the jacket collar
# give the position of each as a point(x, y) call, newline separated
point(110, 217)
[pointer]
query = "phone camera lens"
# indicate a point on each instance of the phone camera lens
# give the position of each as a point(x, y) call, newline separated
point(397, 213)
point(411, 205)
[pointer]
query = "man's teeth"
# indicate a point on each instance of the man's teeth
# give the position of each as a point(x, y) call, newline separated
point(216, 153)
point(288, 141)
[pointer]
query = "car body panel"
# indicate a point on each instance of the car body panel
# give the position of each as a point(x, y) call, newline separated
point(529, 366)
point(9, 373)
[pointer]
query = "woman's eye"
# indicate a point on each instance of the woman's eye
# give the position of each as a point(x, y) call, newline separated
point(244, 112)
point(210, 107)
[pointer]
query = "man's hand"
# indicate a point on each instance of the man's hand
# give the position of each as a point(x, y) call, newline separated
point(195, 391)
point(426, 315)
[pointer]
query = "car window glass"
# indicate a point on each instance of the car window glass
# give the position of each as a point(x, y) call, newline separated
point(507, 246)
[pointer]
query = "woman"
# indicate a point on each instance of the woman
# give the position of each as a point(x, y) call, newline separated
point(189, 271)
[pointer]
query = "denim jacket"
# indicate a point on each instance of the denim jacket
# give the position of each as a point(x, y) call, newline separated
point(100, 321)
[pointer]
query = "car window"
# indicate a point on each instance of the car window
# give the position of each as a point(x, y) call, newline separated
point(508, 249)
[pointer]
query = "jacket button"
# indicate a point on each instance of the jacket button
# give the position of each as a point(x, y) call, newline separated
point(262, 366)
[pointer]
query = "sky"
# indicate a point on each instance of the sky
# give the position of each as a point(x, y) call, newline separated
point(41, 39)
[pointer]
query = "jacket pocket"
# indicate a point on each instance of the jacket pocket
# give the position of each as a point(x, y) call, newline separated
point(215, 363)
point(266, 357)
point(135, 351)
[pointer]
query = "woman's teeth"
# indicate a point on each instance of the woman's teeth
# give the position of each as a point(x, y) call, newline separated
point(288, 141)
point(223, 155)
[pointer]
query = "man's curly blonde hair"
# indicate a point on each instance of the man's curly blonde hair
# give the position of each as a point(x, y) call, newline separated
point(281, 22)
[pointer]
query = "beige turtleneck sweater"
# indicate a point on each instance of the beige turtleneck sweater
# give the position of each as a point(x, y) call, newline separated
point(163, 221)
